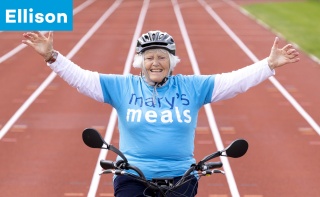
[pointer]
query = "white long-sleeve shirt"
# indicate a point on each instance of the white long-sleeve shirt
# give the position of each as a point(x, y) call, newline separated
point(227, 85)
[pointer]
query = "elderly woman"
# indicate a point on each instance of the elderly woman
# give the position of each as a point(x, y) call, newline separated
point(157, 111)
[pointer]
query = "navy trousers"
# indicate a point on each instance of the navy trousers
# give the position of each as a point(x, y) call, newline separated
point(125, 186)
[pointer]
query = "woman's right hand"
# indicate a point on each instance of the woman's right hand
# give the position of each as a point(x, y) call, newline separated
point(41, 44)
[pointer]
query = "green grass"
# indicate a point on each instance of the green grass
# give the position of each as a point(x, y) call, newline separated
point(298, 22)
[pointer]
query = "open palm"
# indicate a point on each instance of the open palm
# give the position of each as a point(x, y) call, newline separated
point(41, 44)
point(279, 57)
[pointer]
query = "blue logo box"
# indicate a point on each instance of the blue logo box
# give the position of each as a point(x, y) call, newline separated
point(36, 15)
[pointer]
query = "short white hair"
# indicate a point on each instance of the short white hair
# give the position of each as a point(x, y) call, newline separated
point(138, 59)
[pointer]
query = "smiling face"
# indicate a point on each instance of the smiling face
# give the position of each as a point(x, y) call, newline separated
point(156, 64)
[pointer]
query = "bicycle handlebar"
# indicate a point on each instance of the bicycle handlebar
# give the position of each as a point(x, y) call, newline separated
point(93, 139)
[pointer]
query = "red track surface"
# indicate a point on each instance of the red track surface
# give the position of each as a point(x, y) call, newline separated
point(43, 153)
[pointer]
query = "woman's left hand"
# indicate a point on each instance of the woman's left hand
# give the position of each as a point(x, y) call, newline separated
point(279, 57)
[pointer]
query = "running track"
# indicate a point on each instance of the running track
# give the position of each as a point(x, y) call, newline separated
point(42, 118)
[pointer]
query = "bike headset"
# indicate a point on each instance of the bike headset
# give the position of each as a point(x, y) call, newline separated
point(156, 40)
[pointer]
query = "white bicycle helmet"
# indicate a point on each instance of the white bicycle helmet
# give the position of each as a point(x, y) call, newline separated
point(154, 40)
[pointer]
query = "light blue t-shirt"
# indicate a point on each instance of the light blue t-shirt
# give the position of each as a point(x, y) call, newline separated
point(157, 128)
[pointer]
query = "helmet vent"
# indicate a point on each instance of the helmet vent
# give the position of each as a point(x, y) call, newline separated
point(156, 39)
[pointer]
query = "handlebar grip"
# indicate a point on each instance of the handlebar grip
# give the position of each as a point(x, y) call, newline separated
point(211, 165)
point(107, 164)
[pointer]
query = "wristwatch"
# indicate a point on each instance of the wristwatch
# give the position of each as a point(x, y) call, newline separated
point(53, 57)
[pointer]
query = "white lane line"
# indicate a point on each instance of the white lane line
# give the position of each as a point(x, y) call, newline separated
point(22, 46)
point(213, 126)
point(113, 117)
point(272, 79)
point(52, 75)
point(82, 6)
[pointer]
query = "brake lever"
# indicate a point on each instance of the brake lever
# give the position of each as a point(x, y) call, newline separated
point(211, 165)
point(209, 172)
point(116, 172)
point(218, 171)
